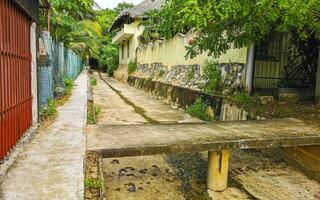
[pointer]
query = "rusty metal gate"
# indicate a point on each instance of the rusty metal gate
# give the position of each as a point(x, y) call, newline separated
point(15, 75)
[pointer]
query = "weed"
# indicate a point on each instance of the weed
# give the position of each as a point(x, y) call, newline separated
point(201, 110)
point(161, 73)
point(93, 183)
point(132, 67)
point(49, 111)
point(93, 81)
point(68, 83)
point(191, 73)
point(93, 113)
point(248, 103)
point(212, 76)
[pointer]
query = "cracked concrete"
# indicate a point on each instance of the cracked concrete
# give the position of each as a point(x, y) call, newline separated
point(51, 165)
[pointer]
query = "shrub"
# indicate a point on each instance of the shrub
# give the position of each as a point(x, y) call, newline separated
point(49, 111)
point(201, 110)
point(93, 183)
point(68, 83)
point(212, 76)
point(248, 103)
point(93, 81)
point(191, 73)
point(132, 67)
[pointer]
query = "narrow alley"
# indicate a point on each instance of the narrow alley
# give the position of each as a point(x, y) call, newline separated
point(159, 100)
point(51, 165)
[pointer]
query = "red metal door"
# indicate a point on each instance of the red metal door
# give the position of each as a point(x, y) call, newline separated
point(15, 75)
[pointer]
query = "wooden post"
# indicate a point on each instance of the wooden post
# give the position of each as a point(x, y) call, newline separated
point(218, 165)
point(317, 92)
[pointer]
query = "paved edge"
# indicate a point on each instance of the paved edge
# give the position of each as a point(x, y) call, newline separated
point(15, 152)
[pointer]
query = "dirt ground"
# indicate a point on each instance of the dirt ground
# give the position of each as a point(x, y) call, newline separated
point(309, 112)
point(253, 174)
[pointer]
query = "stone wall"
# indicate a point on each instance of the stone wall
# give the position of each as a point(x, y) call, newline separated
point(190, 76)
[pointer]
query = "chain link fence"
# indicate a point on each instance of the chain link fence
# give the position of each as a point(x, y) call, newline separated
point(56, 63)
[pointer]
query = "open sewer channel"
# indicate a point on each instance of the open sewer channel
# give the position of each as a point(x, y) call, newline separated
point(253, 174)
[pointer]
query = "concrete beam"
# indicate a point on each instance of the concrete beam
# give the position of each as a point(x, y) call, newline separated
point(136, 140)
point(218, 166)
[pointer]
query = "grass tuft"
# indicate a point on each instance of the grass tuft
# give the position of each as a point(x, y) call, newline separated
point(201, 110)
point(93, 114)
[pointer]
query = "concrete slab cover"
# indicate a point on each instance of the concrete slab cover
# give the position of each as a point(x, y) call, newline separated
point(51, 166)
point(150, 139)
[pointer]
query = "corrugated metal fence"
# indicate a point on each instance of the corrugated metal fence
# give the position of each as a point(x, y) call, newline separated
point(15, 75)
point(56, 64)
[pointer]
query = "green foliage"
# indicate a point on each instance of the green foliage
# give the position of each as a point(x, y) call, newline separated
point(201, 110)
point(93, 183)
point(68, 83)
point(93, 113)
point(132, 67)
point(212, 76)
point(222, 25)
point(84, 30)
point(248, 103)
point(161, 74)
point(85, 40)
point(123, 6)
point(49, 111)
point(191, 73)
point(93, 81)
point(109, 56)
point(65, 15)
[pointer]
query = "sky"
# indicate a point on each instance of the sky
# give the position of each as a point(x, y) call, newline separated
point(113, 3)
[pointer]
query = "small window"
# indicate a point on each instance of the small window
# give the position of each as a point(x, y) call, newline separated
point(122, 51)
point(128, 49)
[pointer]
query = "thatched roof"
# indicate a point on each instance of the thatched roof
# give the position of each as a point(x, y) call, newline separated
point(136, 12)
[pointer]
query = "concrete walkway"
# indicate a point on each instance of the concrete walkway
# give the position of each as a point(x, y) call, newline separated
point(51, 166)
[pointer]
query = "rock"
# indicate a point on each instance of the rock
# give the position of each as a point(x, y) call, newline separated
point(266, 99)
point(59, 91)
point(115, 161)
point(143, 171)
point(122, 172)
point(132, 187)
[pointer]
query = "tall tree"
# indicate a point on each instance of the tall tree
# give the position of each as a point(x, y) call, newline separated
point(222, 24)
point(66, 15)
point(123, 6)
point(108, 58)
